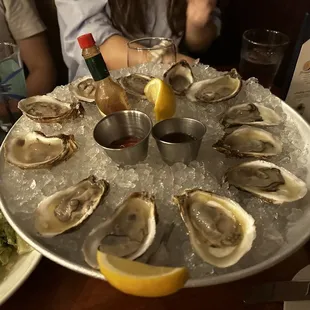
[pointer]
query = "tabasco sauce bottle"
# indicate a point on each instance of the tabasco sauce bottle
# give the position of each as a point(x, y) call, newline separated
point(110, 96)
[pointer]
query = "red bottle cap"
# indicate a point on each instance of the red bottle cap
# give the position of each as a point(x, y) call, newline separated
point(86, 40)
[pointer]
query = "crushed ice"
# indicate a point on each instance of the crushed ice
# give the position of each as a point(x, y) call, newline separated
point(23, 190)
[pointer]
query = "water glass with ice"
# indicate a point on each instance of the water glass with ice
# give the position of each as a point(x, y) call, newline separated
point(261, 54)
point(151, 49)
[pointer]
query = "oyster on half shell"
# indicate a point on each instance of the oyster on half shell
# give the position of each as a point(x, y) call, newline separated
point(215, 90)
point(250, 114)
point(135, 83)
point(35, 150)
point(179, 76)
point(220, 230)
point(248, 141)
point(84, 89)
point(267, 181)
point(69, 207)
point(127, 233)
point(45, 109)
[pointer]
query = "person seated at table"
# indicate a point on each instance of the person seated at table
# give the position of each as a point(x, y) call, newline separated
point(20, 24)
point(192, 24)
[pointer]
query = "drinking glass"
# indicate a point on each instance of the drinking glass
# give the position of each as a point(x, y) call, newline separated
point(151, 49)
point(12, 82)
point(261, 54)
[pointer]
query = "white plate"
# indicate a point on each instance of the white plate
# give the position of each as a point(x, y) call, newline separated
point(302, 275)
point(11, 280)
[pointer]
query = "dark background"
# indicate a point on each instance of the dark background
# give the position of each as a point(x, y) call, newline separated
point(237, 16)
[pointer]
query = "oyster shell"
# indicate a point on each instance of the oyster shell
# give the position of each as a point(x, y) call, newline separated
point(84, 89)
point(215, 90)
point(127, 233)
point(267, 181)
point(135, 83)
point(69, 207)
point(250, 114)
point(36, 150)
point(248, 141)
point(180, 77)
point(220, 230)
point(45, 109)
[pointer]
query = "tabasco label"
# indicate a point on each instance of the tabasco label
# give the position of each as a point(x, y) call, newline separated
point(298, 96)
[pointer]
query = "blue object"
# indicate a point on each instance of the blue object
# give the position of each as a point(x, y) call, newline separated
point(12, 80)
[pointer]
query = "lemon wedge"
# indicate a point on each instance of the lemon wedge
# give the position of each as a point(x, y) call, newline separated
point(162, 96)
point(140, 279)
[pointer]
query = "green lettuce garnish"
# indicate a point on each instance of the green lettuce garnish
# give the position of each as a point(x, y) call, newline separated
point(10, 242)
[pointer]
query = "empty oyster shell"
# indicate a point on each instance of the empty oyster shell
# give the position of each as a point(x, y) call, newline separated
point(215, 90)
point(69, 207)
point(45, 109)
point(127, 233)
point(248, 141)
point(220, 230)
point(135, 83)
point(267, 181)
point(35, 150)
point(180, 77)
point(84, 89)
point(251, 114)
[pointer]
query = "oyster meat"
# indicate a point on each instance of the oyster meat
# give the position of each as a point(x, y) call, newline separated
point(215, 90)
point(220, 230)
point(84, 89)
point(69, 207)
point(45, 109)
point(135, 83)
point(35, 150)
point(127, 233)
point(250, 114)
point(248, 141)
point(267, 181)
point(180, 77)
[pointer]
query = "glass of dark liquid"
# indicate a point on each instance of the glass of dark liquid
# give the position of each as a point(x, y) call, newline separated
point(261, 54)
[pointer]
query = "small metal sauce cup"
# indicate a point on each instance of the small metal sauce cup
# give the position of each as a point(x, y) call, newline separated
point(179, 152)
point(122, 124)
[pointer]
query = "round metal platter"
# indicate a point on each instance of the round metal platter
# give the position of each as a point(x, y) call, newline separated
point(65, 249)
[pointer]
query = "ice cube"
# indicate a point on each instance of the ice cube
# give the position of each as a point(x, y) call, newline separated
point(33, 184)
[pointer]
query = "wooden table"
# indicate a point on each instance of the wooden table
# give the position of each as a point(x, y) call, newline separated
point(52, 287)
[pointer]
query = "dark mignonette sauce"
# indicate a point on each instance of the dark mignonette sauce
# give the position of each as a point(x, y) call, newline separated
point(177, 137)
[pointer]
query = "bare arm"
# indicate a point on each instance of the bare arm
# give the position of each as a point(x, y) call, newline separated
point(114, 52)
point(42, 74)
point(199, 39)
point(201, 30)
